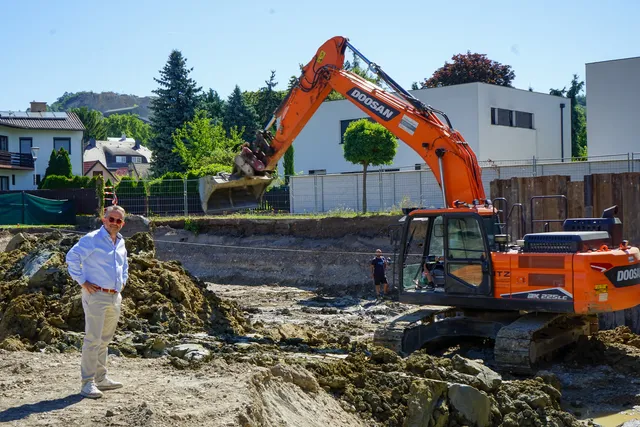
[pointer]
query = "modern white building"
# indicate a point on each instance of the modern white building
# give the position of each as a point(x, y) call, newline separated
point(613, 106)
point(499, 123)
point(21, 132)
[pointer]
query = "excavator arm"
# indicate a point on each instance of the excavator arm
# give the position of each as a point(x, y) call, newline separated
point(420, 126)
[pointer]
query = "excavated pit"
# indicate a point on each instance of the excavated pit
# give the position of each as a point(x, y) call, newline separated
point(164, 305)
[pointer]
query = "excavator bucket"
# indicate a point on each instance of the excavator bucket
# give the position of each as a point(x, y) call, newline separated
point(227, 193)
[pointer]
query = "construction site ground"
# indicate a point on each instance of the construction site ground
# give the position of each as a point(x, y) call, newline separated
point(272, 355)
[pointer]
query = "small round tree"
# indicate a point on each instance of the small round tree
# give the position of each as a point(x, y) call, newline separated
point(368, 144)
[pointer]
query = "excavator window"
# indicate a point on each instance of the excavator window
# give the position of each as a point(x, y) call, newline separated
point(465, 248)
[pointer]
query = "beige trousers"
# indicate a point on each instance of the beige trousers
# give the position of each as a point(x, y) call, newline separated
point(101, 314)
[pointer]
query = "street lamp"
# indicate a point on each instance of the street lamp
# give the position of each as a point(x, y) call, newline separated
point(34, 154)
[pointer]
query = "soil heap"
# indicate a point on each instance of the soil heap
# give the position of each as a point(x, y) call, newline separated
point(40, 305)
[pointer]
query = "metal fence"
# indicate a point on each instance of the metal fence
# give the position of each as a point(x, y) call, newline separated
point(392, 189)
point(387, 189)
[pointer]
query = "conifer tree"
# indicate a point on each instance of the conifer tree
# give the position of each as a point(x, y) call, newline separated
point(177, 98)
point(239, 114)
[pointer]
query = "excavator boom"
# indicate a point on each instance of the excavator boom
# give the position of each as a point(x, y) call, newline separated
point(442, 148)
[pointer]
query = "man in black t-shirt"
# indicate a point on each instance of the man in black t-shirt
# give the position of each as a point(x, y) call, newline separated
point(378, 273)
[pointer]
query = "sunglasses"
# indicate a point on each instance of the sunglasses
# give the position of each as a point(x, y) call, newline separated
point(117, 221)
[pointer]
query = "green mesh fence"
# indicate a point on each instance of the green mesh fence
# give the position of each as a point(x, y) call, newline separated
point(23, 208)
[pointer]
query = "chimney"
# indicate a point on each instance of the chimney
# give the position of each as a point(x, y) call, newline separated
point(92, 143)
point(123, 137)
point(137, 145)
point(38, 107)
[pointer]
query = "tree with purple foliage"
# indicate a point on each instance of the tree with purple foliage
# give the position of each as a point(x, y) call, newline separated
point(470, 68)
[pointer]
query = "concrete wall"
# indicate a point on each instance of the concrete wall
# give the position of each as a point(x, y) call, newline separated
point(468, 107)
point(44, 140)
point(613, 109)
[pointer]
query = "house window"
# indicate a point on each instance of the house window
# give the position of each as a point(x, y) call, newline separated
point(4, 143)
point(502, 117)
point(136, 159)
point(505, 117)
point(25, 145)
point(65, 143)
point(121, 159)
point(13, 180)
point(344, 124)
point(4, 183)
point(36, 179)
point(524, 120)
point(97, 173)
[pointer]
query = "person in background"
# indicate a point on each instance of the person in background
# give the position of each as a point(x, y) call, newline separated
point(98, 263)
point(379, 273)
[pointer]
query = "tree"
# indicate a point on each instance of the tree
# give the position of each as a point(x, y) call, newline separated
point(211, 102)
point(201, 142)
point(130, 125)
point(268, 100)
point(175, 104)
point(288, 164)
point(241, 116)
point(93, 123)
point(470, 68)
point(578, 116)
point(59, 164)
point(368, 144)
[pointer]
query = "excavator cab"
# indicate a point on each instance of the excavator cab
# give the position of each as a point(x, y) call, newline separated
point(446, 255)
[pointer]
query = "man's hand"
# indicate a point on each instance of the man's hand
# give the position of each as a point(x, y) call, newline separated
point(90, 287)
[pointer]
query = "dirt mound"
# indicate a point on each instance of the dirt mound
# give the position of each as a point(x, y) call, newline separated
point(427, 390)
point(618, 348)
point(41, 305)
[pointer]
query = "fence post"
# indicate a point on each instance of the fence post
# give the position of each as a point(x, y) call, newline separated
point(535, 168)
point(186, 208)
point(315, 193)
point(632, 161)
point(628, 162)
point(291, 207)
point(322, 192)
point(420, 186)
point(380, 187)
point(357, 193)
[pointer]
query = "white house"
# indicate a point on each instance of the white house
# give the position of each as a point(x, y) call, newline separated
point(613, 109)
point(43, 132)
point(499, 123)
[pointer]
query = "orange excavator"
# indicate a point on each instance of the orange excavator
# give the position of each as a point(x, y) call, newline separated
point(465, 274)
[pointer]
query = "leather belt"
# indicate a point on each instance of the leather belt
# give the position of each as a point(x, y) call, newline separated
point(109, 291)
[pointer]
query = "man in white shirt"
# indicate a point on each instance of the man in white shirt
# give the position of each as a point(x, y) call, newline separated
point(98, 263)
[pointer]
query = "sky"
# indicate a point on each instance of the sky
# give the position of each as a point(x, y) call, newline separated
point(52, 47)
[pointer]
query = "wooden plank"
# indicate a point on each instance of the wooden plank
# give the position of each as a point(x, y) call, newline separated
point(630, 191)
point(575, 194)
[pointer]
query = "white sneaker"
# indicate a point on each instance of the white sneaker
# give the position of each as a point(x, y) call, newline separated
point(108, 384)
point(90, 390)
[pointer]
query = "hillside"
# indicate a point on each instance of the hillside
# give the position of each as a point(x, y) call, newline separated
point(105, 102)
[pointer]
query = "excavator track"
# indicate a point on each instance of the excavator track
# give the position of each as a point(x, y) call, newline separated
point(522, 344)
point(393, 335)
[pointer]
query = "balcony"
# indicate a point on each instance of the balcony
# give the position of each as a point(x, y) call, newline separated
point(10, 160)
